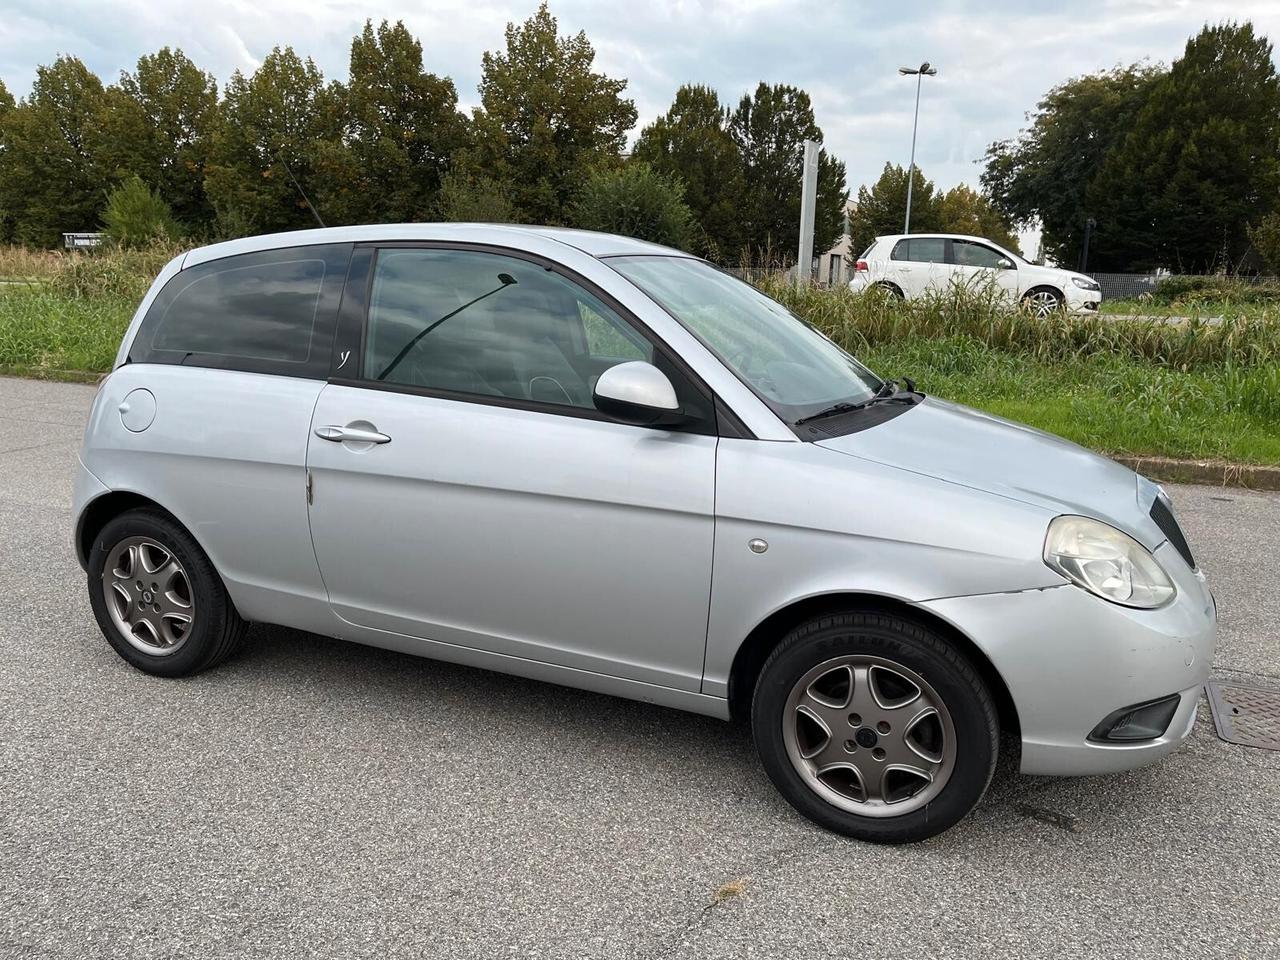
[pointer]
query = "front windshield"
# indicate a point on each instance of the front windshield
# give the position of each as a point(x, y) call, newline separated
point(793, 368)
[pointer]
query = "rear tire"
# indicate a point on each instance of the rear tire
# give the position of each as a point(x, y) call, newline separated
point(888, 292)
point(874, 726)
point(156, 597)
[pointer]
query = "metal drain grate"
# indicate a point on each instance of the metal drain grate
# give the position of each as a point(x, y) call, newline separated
point(1245, 714)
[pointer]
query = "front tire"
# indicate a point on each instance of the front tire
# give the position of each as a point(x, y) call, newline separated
point(156, 597)
point(874, 726)
point(1043, 302)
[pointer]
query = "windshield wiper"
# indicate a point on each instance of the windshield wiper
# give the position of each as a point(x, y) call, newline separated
point(842, 407)
point(888, 390)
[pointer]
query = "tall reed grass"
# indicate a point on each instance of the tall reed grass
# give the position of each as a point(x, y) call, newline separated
point(858, 321)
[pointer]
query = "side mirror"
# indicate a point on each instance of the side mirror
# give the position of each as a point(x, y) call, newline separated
point(1004, 263)
point(637, 393)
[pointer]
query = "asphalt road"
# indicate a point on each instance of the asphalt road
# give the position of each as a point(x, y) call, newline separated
point(314, 798)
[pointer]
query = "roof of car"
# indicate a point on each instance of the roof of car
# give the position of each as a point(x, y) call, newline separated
point(930, 236)
point(499, 234)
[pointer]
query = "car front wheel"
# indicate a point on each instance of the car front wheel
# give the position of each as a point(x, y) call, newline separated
point(1042, 302)
point(875, 726)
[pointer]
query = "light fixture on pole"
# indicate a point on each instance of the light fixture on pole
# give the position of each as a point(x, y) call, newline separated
point(924, 70)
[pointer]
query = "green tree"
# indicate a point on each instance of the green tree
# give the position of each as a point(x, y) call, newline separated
point(1265, 237)
point(51, 176)
point(1201, 161)
point(636, 201)
point(7, 104)
point(473, 199)
point(399, 129)
point(158, 125)
point(273, 127)
point(1045, 174)
point(692, 142)
point(881, 209)
point(964, 210)
point(274, 123)
point(546, 118)
point(770, 128)
point(136, 215)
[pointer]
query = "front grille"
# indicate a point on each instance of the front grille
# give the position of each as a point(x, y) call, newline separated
point(1168, 525)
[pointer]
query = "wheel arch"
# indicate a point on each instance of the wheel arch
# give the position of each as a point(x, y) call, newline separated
point(891, 287)
point(768, 633)
point(1060, 294)
point(103, 509)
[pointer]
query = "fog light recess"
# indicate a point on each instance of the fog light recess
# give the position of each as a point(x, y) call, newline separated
point(1142, 721)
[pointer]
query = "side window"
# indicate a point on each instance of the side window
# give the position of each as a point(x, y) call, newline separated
point(491, 325)
point(921, 250)
point(969, 254)
point(270, 312)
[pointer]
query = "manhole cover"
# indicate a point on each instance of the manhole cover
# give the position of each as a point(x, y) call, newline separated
point(1245, 714)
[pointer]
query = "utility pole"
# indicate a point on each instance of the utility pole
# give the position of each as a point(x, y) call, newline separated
point(1084, 254)
point(920, 72)
point(808, 205)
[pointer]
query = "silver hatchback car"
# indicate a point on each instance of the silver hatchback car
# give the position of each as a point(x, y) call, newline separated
point(593, 461)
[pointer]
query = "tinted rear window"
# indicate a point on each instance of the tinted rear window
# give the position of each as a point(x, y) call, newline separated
point(921, 250)
point(268, 312)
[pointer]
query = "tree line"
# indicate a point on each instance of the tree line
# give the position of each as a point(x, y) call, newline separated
point(1177, 167)
point(389, 143)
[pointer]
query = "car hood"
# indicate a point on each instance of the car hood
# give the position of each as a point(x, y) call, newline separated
point(1036, 273)
point(959, 445)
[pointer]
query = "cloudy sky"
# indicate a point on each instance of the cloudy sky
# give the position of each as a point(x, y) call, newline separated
point(995, 58)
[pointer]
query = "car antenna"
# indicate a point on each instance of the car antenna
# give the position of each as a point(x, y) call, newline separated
point(310, 206)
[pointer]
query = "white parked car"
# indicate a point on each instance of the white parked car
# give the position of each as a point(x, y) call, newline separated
point(930, 263)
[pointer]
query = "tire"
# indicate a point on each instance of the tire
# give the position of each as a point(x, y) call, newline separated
point(889, 292)
point(1043, 302)
point(926, 771)
point(168, 578)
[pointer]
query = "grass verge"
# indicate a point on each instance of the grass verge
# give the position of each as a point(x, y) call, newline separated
point(1120, 385)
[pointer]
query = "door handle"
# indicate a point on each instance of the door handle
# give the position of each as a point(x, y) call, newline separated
point(338, 434)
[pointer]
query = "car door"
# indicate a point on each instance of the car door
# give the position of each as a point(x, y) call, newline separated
point(919, 265)
point(982, 268)
point(465, 489)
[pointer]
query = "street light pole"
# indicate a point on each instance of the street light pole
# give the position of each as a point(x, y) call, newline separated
point(920, 72)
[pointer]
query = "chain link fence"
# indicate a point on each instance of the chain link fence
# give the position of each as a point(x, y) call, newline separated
point(1133, 286)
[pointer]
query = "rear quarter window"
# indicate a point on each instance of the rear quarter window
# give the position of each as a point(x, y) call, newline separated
point(270, 312)
point(921, 250)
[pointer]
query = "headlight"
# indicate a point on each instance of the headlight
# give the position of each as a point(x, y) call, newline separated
point(1084, 283)
point(1106, 562)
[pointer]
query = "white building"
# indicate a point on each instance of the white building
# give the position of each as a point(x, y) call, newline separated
point(834, 266)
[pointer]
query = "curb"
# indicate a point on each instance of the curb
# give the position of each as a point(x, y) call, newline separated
point(1208, 472)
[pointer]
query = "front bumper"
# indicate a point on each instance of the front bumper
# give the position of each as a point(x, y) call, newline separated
point(1069, 659)
point(1082, 301)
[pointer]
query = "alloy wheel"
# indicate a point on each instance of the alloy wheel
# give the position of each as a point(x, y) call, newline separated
point(1043, 303)
point(148, 596)
point(869, 735)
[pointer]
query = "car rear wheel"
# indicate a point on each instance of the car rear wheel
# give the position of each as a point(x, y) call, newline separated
point(875, 726)
point(157, 598)
point(888, 292)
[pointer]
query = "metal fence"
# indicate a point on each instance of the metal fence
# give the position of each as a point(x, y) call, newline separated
point(1132, 286)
